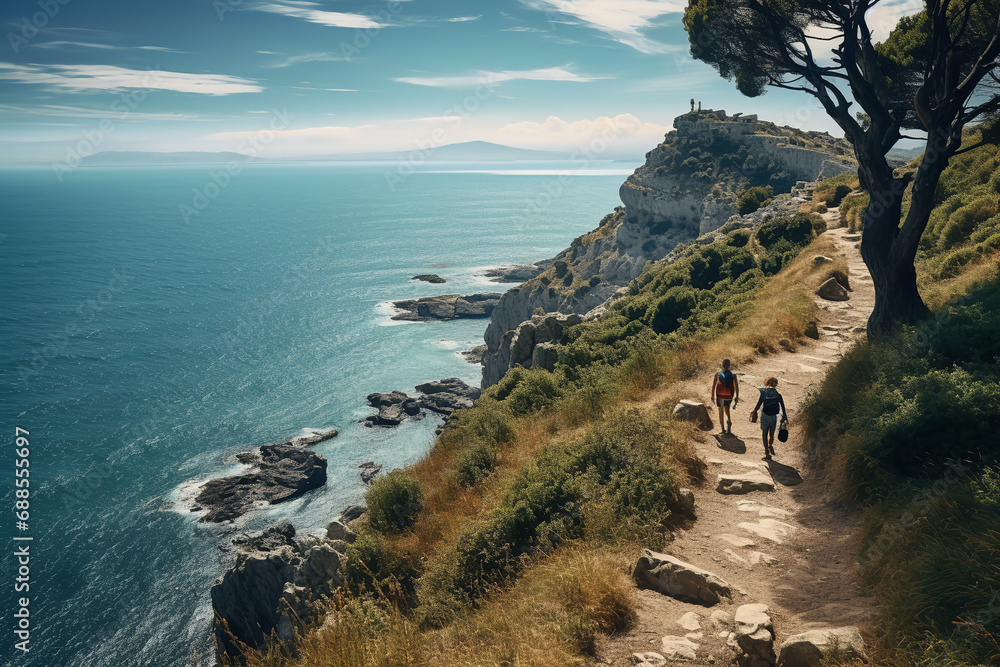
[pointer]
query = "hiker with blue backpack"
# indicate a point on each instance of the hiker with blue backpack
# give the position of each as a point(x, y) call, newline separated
point(772, 403)
point(725, 393)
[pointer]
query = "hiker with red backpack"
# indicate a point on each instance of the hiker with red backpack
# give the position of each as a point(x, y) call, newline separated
point(725, 393)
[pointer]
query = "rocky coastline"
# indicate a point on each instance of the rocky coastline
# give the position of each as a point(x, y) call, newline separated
point(279, 472)
point(446, 307)
point(441, 397)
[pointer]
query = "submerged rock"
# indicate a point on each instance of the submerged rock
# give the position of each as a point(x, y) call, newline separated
point(429, 278)
point(281, 472)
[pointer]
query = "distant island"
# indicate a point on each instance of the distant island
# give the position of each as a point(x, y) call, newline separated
point(468, 151)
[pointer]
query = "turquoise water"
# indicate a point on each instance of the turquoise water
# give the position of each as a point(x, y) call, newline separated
point(141, 350)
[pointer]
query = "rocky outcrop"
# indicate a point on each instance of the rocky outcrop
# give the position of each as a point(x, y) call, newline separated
point(525, 345)
point(831, 290)
point(671, 576)
point(517, 273)
point(441, 397)
point(446, 307)
point(269, 588)
point(810, 649)
point(429, 278)
point(475, 355)
point(687, 189)
point(279, 472)
point(693, 411)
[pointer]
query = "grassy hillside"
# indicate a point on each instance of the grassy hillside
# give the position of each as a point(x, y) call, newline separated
point(908, 430)
point(507, 544)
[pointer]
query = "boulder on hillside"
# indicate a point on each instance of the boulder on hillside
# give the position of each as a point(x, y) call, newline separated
point(754, 635)
point(693, 411)
point(831, 290)
point(338, 530)
point(677, 579)
point(810, 649)
point(812, 330)
point(822, 259)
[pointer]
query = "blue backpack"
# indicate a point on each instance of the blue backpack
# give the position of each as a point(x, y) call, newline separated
point(772, 401)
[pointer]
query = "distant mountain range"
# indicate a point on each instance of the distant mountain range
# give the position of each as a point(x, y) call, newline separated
point(469, 151)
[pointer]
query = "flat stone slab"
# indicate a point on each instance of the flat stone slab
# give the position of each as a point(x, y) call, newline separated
point(649, 659)
point(690, 621)
point(678, 648)
point(769, 529)
point(762, 510)
point(677, 579)
point(736, 540)
point(745, 482)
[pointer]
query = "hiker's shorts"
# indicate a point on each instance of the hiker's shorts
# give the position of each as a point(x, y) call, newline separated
point(723, 402)
point(768, 422)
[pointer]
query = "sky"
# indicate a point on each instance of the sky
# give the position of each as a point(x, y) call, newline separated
point(296, 78)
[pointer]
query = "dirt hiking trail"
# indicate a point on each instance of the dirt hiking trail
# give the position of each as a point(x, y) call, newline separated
point(791, 549)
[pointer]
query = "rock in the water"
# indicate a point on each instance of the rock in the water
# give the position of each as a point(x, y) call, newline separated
point(671, 576)
point(314, 436)
point(809, 649)
point(831, 290)
point(429, 278)
point(270, 586)
point(281, 472)
point(754, 636)
point(678, 648)
point(369, 471)
point(693, 411)
point(475, 355)
point(745, 482)
point(517, 273)
point(446, 307)
point(441, 396)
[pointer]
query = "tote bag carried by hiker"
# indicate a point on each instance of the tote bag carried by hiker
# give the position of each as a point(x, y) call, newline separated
point(783, 431)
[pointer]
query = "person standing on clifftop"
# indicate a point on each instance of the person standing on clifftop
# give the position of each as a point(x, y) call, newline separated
point(773, 404)
point(725, 392)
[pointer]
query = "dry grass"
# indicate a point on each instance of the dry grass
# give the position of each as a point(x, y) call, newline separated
point(936, 292)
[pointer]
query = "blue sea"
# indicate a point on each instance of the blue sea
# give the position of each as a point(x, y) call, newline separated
point(143, 345)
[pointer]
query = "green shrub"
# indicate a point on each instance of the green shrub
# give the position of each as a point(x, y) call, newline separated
point(953, 263)
point(476, 463)
point(753, 199)
point(839, 194)
point(526, 390)
point(668, 310)
point(796, 229)
point(738, 238)
point(373, 567)
point(561, 268)
point(394, 501)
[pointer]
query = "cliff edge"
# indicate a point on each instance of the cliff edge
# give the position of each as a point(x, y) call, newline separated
point(690, 185)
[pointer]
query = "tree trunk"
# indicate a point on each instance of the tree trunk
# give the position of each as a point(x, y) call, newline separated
point(889, 260)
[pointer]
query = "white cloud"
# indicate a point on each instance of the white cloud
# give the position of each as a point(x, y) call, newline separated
point(84, 78)
point(64, 111)
point(482, 77)
point(305, 11)
point(323, 57)
point(463, 19)
point(108, 47)
point(623, 133)
point(622, 20)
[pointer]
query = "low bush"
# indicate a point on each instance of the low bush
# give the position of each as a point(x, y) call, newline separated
point(753, 199)
point(394, 501)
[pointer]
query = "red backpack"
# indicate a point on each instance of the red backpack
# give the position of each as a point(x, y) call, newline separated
point(726, 386)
